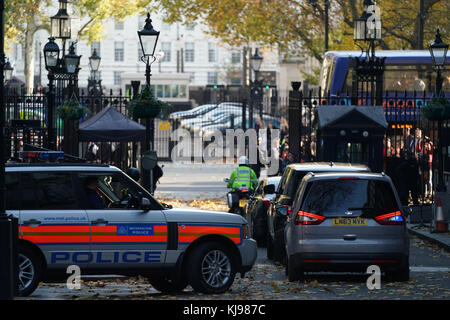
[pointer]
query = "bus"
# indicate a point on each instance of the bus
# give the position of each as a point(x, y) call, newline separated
point(405, 71)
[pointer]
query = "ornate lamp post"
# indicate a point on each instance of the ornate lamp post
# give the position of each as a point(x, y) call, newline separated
point(438, 50)
point(94, 82)
point(60, 69)
point(256, 86)
point(368, 30)
point(326, 11)
point(148, 38)
point(7, 72)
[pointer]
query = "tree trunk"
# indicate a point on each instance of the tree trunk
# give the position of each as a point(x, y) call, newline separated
point(29, 59)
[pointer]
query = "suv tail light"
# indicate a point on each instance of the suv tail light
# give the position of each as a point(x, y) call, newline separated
point(306, 218)
point(393, 218)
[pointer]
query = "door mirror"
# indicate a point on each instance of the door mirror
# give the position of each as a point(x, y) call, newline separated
point(145, 204)
point(407, 211)
point(226, 180)
point(269, 189)
point(282, 210)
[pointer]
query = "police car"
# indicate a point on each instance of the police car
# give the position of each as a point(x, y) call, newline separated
point(98, 218)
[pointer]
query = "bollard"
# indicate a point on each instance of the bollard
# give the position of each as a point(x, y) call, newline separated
point(7, 278)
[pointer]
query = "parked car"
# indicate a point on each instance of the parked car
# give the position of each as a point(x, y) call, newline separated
point(284, 195)
point(210, 117)
point(197, 111)
point(346, 222)
point(256, 209)
point(97, 217)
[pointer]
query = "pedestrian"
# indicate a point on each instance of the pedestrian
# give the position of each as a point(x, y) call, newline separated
point(287, 161)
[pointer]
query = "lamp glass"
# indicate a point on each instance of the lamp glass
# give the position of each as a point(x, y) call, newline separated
point(7, 72)
point(94, 61)
point(148, 38)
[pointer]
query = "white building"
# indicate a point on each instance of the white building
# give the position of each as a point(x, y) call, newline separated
point(191, 59)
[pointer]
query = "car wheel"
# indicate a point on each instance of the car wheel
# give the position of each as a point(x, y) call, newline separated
point(211, 267)
point(167, 285)
point(30, 271)
point(260, 230)
point(269, 245)
point(279, 253)
point(400, 275)
point(294, 272)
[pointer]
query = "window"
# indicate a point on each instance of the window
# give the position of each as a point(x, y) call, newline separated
point(96, 46)
point(235, 57)
point(166, 48)
point(190, 26)
point(119, 51)
point(119, 25)
point(332, 198)
point(141, 22)
point(191, 77)
point(165, 26)
point(212, 52)
point(112, 191)
point(167, 91)
point(212, 77)
point(189, 52)
point(117, 78)
point(47, 190)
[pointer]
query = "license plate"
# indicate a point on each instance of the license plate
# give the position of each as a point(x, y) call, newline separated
point(349, 222)
point(242, 202)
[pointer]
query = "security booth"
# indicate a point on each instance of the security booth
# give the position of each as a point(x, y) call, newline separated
point(351, 134)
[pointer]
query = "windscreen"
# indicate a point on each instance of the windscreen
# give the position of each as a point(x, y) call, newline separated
point(365, 198)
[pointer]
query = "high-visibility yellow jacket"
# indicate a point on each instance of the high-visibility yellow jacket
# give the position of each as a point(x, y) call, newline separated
point(243, 176)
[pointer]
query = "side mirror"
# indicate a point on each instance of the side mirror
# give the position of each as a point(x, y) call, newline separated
point(226, 180)
point(407, 211)
point(269, 189)
point(145, 204)
point(282, 210)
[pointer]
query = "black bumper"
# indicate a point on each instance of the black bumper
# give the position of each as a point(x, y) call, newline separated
point(348, 261)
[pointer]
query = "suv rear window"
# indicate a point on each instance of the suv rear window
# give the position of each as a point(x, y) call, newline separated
point(365, 198)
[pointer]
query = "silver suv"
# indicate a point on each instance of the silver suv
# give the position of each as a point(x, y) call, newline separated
point(346, 222)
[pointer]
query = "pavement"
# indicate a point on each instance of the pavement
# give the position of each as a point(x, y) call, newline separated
point(441, 239)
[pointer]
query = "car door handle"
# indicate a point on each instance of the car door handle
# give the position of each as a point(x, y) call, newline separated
point(99, 222)
point(32, 222)
point(350, 237)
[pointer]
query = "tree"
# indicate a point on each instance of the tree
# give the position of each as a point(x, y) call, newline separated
point(296, 27)
point(23, 18)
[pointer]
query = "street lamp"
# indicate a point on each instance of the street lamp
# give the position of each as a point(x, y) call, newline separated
point(255, 86)
point(148, 38)
point(367, 28)
point(7, 72)
point(60, 23)
point(94, 61)
point(327, 8)
point(71, 60)
point(438, 50)
point(94, 81)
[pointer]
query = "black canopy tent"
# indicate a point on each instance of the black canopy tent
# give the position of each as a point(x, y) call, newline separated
point(109, 125)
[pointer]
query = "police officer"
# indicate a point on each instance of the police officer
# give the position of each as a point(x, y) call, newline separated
point(243, 175)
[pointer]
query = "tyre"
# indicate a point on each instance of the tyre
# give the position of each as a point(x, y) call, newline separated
point(259, 225)
point(279, 251)
point(294, 272)
point(31, 269)
point(166, 285)
point(211, 268)
point(400, 275)
point(269, 245)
